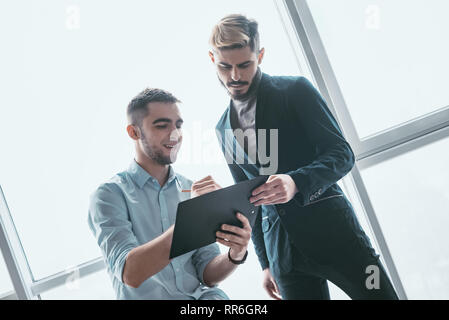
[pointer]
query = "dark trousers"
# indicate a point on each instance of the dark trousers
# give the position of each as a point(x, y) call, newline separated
point(332, 246)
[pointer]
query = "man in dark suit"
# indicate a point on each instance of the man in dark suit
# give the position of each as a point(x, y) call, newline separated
point(307, 231)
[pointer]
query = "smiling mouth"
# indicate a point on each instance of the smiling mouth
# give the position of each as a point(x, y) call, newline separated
point(170, 146)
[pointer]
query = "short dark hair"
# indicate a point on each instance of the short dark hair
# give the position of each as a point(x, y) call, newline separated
point(138, 107)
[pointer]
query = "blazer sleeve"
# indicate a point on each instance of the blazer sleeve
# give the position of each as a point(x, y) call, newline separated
point(334, 156)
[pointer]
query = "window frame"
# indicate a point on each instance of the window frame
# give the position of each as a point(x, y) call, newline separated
point(314, 63)
point(14, 256)
point(370, 150)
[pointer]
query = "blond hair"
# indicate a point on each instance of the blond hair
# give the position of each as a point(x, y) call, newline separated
point(235, 31)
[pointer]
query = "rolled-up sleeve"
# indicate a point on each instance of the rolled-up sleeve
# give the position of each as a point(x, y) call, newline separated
point(203, 256)
point(108, 219)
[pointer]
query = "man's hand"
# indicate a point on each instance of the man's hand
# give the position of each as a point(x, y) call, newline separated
point(270, 286)
point(237, 240)
point(204, 186)
point(279, 188)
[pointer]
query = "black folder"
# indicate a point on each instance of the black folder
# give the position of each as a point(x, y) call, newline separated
point(198, 219)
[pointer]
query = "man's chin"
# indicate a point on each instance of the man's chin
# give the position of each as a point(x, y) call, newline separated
point(237, 94)
point(171, 158)
point(165, 160)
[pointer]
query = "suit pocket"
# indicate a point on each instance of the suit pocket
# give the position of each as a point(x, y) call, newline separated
point(331, 202)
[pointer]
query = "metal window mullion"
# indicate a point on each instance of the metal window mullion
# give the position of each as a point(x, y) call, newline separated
point(13, 254)
point(398, 150)
point(321, 69)
point(292, 39)
point(325, 79)
point(10, 295)
point(25, 287)
point(63, 277)
point(376, 230)
point(404, 133)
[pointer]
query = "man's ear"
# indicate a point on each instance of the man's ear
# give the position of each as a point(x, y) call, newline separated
point(261, 54)
point(133, 132)
point(211, 55)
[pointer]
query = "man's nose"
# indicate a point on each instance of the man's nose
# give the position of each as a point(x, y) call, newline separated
point(176, 134)
point(235, 74)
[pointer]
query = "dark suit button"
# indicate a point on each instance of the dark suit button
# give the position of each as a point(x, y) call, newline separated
point(281, 212)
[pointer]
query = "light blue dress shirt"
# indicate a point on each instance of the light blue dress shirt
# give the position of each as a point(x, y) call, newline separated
point(132, 209)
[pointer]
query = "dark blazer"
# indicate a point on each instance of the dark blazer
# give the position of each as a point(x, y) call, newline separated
point(311, 149)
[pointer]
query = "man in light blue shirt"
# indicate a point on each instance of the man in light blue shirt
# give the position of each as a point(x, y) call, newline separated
point(132, 215)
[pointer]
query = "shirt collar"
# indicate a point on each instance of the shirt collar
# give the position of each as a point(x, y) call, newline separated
point(140, 176)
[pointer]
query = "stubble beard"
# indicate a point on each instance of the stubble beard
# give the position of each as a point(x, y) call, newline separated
point(238, 96)
point(156, 154)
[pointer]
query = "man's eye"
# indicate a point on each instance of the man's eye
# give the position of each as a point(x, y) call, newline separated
point(161, 127)
point(225, 67)
point(244, 66)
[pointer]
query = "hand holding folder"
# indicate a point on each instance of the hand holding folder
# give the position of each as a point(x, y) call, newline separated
point(198, 219)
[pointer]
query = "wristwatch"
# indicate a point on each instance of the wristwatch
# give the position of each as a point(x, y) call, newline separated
point(237, 261)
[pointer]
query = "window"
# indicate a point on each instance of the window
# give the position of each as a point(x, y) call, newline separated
point(96, 286)
point(381, 65)
point(71, 69)
point(410, 195)
point(5, 281)
point(389, 57)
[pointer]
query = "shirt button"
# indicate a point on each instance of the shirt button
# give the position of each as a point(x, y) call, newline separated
point(177, 269)
point(281, 212)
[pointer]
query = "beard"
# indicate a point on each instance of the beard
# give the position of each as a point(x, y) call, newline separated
point(238, 96)
point(156, 154)
point(251, 89)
